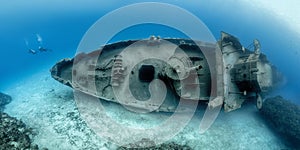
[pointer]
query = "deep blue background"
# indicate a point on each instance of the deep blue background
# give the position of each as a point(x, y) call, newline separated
point(62, 25)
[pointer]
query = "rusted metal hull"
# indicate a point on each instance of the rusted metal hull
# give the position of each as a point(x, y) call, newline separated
point(223, 73)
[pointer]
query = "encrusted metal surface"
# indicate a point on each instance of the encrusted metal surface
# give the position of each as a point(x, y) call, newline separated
point(228, 74)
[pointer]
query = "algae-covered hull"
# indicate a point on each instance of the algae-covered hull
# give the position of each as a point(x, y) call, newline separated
point(156, 74)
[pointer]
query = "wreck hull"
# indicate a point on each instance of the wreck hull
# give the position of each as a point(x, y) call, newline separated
point(223, 73)
point(92, 73)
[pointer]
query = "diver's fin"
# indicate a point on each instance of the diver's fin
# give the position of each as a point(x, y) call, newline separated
point(32, 51)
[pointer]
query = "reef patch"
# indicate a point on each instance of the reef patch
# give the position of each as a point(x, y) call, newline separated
point(284, 117)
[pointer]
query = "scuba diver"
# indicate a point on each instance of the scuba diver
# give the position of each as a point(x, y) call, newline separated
point(40, 42)
point(41, 48)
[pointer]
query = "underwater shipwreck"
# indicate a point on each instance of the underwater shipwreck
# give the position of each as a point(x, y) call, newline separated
point(223, 73)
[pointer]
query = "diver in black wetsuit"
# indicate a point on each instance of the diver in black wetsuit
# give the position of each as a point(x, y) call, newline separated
point(42, 49)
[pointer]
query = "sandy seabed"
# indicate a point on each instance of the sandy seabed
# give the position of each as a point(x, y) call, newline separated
point(50, 109)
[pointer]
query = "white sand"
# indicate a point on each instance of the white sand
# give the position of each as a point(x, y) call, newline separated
point(49, 108)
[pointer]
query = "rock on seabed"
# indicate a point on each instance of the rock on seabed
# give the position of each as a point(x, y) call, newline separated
point(284, 117)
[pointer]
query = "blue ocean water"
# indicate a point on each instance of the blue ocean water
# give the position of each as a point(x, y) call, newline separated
point(62, 25)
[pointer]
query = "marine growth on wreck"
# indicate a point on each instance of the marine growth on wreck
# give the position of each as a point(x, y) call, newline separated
point(223, 73)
